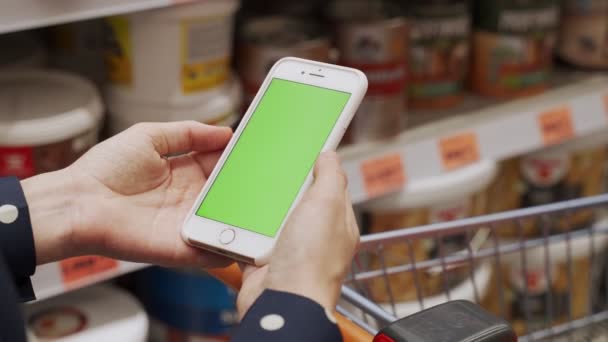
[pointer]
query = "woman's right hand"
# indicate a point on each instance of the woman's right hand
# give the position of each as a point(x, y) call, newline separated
point(316, 247)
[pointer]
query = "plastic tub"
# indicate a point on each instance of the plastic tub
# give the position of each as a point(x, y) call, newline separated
point(558, 173)
point(47, 120)
point(451, 196)
point(21, 50)
point(221, 109)
point(187, 306)
point(165, 55)
point(101, 313)
point(533, 279)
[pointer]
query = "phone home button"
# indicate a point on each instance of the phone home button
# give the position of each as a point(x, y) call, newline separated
point(227, 236)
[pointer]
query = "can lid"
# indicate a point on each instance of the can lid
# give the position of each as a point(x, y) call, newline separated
point(435, 190)
point(42, 107)
point(84, 316)
point(216, 106)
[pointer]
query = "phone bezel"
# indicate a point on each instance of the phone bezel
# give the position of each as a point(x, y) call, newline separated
point(250, 246)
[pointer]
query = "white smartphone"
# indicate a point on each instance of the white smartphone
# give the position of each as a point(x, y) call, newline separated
point(302, 108)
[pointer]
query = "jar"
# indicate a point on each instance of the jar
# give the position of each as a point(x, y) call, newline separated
point(439, 52)
point(513, 44)
point(584, 33)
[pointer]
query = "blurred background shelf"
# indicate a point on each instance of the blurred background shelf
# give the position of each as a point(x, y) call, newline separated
point(60, 277)
point(490, 132)
point(28, 14)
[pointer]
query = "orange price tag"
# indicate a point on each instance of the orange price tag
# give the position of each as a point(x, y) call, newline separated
point(78, 268)
point(459, 150)
point(383, 175)
point(556, 125)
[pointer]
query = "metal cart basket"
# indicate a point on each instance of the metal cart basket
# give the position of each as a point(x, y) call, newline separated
point(541, 268)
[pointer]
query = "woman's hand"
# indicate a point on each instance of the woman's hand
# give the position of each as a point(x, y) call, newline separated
point(126, 198)
point(316, 247)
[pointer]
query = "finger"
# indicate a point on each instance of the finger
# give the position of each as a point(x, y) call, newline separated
point(329, 178)
point(185, 136)
point(351, 220)
point(207, 161)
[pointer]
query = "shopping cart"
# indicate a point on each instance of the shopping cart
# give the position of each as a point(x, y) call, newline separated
point(390, 281)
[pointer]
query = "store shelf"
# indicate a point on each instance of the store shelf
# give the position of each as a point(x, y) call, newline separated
point(493, 132)
point(56, 278)
point(28, 14)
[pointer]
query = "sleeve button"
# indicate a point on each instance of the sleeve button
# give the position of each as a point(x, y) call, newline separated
point(272, 322)
point(8, 213)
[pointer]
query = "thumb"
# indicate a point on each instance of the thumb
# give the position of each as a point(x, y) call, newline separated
point(329, 177)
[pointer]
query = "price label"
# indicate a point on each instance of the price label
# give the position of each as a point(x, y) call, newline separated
point(459, 150)
point(78, 268)
point(556, 125)
point(383, 175)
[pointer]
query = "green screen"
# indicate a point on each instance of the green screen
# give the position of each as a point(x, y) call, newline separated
point(272, 158)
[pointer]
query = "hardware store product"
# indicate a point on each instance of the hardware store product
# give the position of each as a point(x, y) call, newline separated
point(47, 120)
point(513, 46)
point(455, 195)
point(169, 54)
point(439, 53)
point(100, 313)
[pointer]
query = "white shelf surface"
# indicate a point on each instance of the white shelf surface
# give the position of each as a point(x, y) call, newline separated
point(496, 132)
point(18, 15)
point(51, 280)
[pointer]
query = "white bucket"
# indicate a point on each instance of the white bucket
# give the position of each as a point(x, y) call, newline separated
point(454, 195)
point(221, 109)
point(166, 55)
point(21, 50)
point(100, 313)
point(458, 184)
point(47, 120)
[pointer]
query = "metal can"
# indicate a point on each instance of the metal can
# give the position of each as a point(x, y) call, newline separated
point(584, 33)
point(439, 53)
point(372, 40)
point(513, 46)
point(265, 40)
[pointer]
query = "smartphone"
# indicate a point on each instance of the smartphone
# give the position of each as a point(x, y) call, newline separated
point(302, 108)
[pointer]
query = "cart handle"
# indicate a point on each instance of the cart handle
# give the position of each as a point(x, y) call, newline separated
point(232, 277)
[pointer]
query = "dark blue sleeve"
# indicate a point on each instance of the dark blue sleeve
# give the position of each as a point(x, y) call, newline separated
point(12, 327)
point(16, 237)
point(280, 316)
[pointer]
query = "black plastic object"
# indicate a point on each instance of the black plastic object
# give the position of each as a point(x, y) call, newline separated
point(455, 321)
